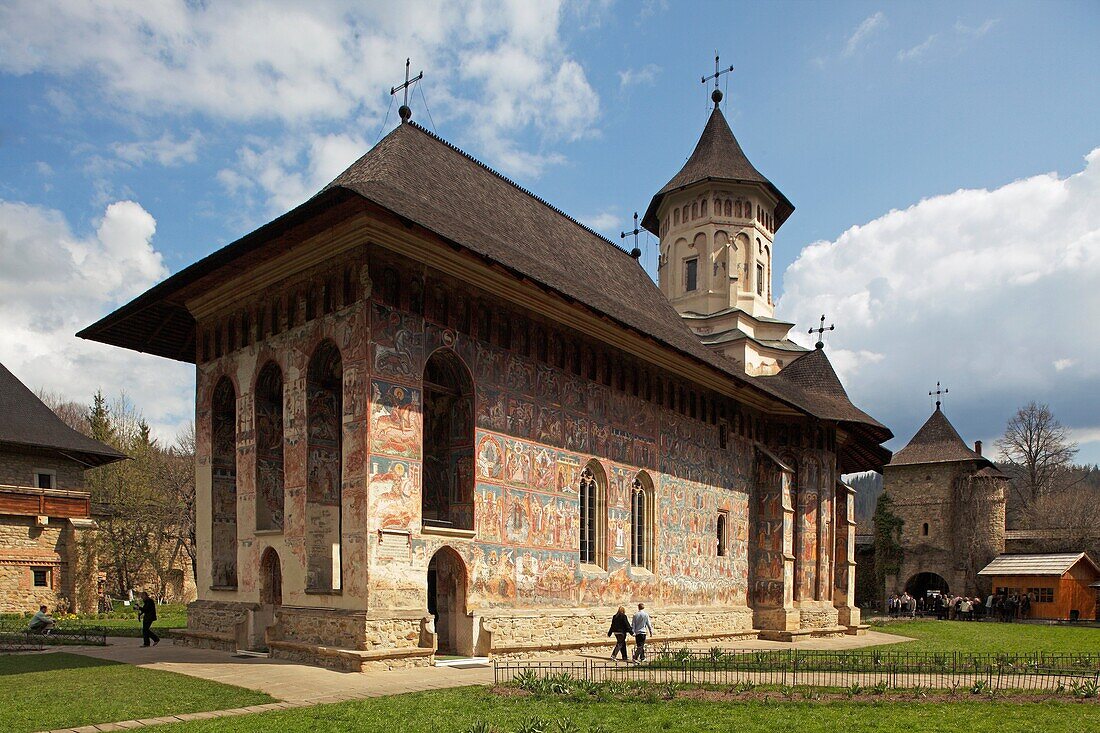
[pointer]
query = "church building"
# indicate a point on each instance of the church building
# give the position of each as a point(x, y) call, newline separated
point(435, 414)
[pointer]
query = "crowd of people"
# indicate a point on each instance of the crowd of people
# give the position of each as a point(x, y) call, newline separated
point(1004, 606)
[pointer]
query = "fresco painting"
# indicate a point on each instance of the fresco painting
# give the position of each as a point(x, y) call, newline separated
point(395, 419)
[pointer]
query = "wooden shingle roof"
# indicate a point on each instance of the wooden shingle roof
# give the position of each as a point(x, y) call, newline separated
point(27, 423)
point(1049, 564)
point(717, 157)
point(937, 441)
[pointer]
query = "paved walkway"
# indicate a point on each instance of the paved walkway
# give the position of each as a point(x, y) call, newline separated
point(299, 685)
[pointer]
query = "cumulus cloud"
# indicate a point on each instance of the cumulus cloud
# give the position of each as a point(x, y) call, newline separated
point(498, 67)
point(985, 290)
point(54, 282)
point(864, 31)
point(634, 77)
point(167, 150)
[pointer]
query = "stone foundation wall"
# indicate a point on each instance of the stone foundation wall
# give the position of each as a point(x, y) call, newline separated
point(23, 547)
point(347, 629)
point(526, 632)
point(217, 624)
point(817, 615)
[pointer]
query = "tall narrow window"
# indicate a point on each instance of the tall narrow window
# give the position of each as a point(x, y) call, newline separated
point(447, 499)
point(324, 468)
point(223, 489)
point(723, 536)
point(759, 279)
point(924, 529)
point(269, 448)
point(641, 522)
point(691, 274)
point(593, 509)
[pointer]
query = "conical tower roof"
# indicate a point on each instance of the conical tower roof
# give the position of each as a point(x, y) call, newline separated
point(936, 442)
point(717, 157)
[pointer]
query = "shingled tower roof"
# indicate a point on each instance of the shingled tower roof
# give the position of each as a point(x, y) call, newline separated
point(26, 422)
point(717, 157)
point(936, 442)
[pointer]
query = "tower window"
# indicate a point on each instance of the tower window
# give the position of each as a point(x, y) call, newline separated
point(41, 577)
point(691, 274)
point(924, 529)
point(759, 279)
point(723, 520)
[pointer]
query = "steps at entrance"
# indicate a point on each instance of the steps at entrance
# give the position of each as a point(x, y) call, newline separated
point(463, 663)
point(254, 653)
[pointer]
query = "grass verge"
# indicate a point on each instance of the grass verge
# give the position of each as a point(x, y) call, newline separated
point(58, 690)
point(991, 637)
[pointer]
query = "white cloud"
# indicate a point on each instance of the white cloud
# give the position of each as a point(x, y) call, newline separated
point(863, 32)
point(53, 283)
point(602, 221)
point(43, 168)
point(165, 150)
point(965, 30)
point(633, 77)
point(497, 67)
point(916, 52)
point(982, 289)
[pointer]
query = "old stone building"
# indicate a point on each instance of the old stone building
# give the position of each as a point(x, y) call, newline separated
point(436, 413)
point(47, 551)
point(951, 501)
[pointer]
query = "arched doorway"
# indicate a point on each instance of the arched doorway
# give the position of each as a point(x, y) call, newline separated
point(447, 603)
point(923, 585)
point(271, 598)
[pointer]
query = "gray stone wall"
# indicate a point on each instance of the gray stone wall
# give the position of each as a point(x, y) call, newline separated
point(18, 469)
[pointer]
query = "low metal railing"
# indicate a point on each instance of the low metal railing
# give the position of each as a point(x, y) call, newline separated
point(14, 636)
point(849, 670)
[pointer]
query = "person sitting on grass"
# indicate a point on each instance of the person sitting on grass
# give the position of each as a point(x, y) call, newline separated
point(41, 622)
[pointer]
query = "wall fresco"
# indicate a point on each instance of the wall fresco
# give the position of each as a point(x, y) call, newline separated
point(268, 403)
point(324, 460)
point(223, 494)
point(395, 419)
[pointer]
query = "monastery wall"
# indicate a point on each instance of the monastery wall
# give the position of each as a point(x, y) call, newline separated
point(18, 469)
point(546, 402)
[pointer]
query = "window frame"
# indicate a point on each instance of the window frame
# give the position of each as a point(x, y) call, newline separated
point(691, 265)
point(722, 530)
point(38, 472)
point(45, 577)
point(642, 503)
point(592, 506)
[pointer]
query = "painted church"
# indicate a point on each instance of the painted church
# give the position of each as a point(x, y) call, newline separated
point(436, 414)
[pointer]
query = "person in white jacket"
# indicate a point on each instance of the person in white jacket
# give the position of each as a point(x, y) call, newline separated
point(642, 627)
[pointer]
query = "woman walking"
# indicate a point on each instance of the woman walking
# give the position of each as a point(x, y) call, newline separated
point(620, 627)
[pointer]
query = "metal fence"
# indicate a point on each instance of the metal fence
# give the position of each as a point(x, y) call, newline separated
point(831, 670)
point(14, 636)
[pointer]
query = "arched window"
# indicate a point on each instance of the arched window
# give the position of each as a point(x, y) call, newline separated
point(729, 208)
point(723, 533)
point(676, 216)
point(694, 209)
point(593, 508)
point(703, 208)
point(223, 489)
point(924, 529)
point(447, 499)
point(268, 424)
point(641, 522)
point(324, 468)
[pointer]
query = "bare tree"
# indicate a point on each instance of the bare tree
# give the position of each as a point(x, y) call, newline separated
point(1037, 454)
point(72, 413)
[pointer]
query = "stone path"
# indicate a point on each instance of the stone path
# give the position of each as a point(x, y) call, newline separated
point(299, 685)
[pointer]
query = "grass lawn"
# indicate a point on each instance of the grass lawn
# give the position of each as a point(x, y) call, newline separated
point(456, 710)
point(991, 637)
point(48, 691)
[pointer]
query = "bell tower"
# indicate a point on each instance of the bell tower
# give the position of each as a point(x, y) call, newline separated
point(716, 221)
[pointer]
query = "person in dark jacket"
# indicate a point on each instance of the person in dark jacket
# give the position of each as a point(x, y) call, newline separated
point(148, 614)
point(620, 627)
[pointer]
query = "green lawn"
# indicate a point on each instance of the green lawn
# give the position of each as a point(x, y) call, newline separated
point(48, 691)
point(120, 622)
point(991, 637)
point(457, 710)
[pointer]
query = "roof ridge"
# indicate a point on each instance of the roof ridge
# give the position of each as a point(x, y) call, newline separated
point(506, 179)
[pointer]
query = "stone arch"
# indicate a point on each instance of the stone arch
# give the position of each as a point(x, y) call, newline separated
point(920, 584)
point(447, 499)
point(324, 467)
point(744, 259)
point(223, 489)
point(592, 491)
point(268, 424)
point(447, 584)
point(642, 545)
point(271, 578)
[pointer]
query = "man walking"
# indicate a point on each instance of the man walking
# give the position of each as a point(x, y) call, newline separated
point(148, 614)
point(642, 628)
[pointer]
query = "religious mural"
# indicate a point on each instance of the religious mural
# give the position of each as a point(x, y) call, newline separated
point(324, 472)
point(223, 494)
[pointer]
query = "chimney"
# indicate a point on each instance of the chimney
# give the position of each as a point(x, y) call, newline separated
point(978, 447)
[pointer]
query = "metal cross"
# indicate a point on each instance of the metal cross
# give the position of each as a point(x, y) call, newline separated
point(938, 392)
point(820, 331)
point(404, 111)
point(636, 252)
point(716, 95)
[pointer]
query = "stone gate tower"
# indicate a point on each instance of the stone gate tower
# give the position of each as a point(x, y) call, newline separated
point(951, 501)
point(716, 220)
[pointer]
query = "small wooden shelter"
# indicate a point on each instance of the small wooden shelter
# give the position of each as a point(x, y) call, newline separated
point(1061, 585)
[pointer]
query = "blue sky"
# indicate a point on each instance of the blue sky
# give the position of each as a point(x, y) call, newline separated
point(935, 153)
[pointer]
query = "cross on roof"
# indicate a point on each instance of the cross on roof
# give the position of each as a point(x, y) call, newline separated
point(404, 111)
point(716, 95)
point(636, 252)
point(820, 331)
point(938, 392)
